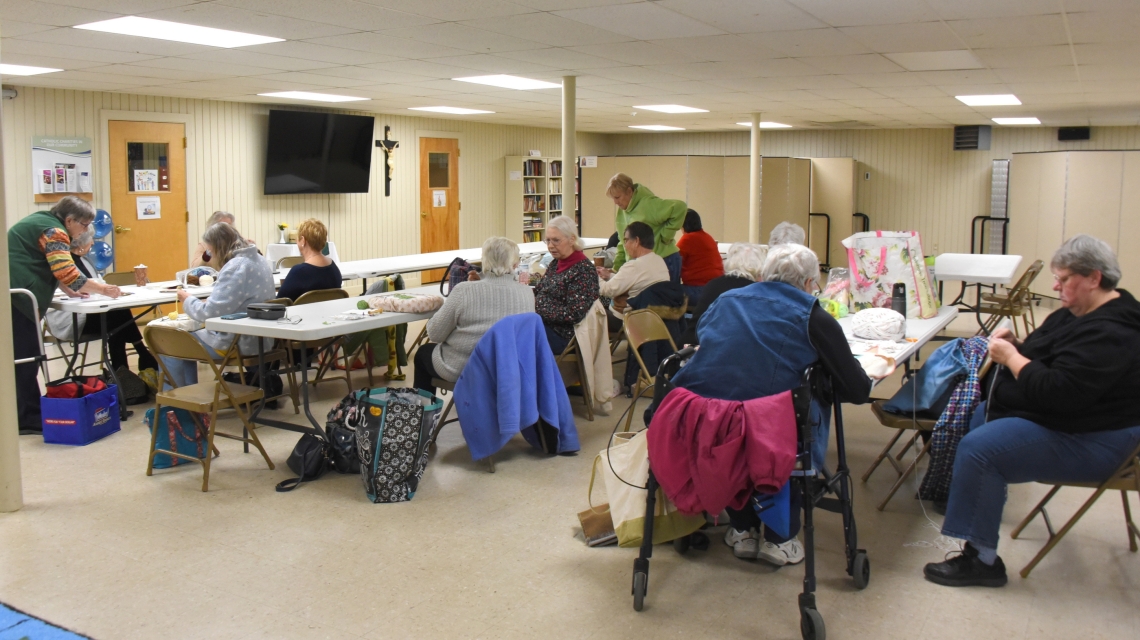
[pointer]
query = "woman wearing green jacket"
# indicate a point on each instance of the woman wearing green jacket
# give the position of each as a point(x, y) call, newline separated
point(635, 202)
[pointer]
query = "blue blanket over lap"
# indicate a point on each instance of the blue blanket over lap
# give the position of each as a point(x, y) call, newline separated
point(510, 381)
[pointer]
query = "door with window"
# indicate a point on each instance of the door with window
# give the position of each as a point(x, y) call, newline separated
point(439, 199)
point(148, 196)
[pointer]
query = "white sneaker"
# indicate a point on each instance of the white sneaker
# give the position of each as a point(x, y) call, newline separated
point(790, 552)
point(745, 544)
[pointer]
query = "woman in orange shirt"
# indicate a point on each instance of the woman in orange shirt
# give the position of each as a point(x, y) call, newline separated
point(700, 257)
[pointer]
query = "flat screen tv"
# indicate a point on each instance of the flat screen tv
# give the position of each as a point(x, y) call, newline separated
point(310, 152)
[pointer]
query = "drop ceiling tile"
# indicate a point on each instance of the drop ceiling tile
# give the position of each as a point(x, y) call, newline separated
point(562, 59)
point(77, 85)
point(866, 63)
point(745, 16)
point(1093, 72)
point(262, 60)
point(317, 79)
point(931, 102)
point(548, 29)
point(373, 76)
point(850, 14)
point(357, 16)
point(315, 53)
point(1026, 31)
point(1038, 74)
point(115, 42)
point(785, 67)
point(975, 89)
point(13, 28)
point(925, 91)
point(1110, 86)
point(36, 60)
point(48, 50)
point(810, 42)
point(454, 35)
point(964, 76)
point(875, 80)
point(638, 53)
point(1104, 26)
point(1107, 53)
point(812, 83)
point(724, 48)
point(376, 43)
point(1044, 87)
point(452, 11)
point(709, 70)
point(638, 75)
point(961, 9)
point(223, 17)
point(695, 89)
point(426, 68)
point(893, 38)
point(756, 86)
point(42, 13)
point(205, 66)
point(396, 90)
point(643, 20)
point(495, 64)
point(856, 93)
point(875, 104)
point(1022, 57)
point(164, 75)
point(112, 79)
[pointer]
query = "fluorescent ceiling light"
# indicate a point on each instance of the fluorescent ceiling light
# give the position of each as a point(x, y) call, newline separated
point(670, 108)
point(456, 110)
point(24, 70)
point(510, 82)
point(655, 127)
point(308, 95)
point(1008, 121)
point(177, 31)
point(1000, 99)
point(936, 60)
point(767, 125)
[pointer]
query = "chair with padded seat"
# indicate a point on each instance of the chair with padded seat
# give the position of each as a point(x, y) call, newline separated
point(200, 398)
point(641, 327)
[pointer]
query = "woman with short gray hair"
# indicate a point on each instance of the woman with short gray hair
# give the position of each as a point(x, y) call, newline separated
point(786, 233)
point(1063, 407)
point(757, 341)
point(469, 311)
point(743, 265)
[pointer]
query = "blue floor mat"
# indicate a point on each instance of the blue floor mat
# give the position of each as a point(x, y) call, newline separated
point(17, 625)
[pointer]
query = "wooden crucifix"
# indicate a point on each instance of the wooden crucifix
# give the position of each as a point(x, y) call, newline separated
point(389, 146)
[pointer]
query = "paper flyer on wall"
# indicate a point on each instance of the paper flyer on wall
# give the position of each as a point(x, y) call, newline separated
point(149, 207)
point(146, 180)
point(59, 165)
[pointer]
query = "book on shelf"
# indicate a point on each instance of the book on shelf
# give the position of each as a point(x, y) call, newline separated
point(556, 185)
point(556, 202)
point(530, 185)
point(533, 168)
point(532, 236)
point(555, 168)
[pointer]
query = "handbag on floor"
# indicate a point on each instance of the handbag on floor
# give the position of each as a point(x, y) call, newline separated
point(309, 460)
point(133, 388)
point(177, 431)
point(340, 425)
point(391, 440)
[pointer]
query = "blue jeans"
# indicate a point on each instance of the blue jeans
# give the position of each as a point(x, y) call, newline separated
point(996, 454)
point(184, 372)
point(557, 342)
point(694, 293)
point(673, 263)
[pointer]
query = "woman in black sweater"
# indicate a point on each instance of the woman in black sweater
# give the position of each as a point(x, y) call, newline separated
point(1064, 408)
point(318, 271)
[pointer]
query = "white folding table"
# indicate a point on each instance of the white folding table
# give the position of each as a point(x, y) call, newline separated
point(976, 269)
point(306, 323)
point(918, 332)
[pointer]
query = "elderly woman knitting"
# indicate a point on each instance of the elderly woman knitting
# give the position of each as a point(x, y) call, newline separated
point(757, 341)
point(565, 294)
point(469, 311)
point(1063, 409)
point(743, 265)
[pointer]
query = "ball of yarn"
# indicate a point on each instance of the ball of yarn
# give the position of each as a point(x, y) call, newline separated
point(878, 324)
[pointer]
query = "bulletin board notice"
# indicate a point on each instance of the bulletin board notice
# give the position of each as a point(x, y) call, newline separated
point(61, 166)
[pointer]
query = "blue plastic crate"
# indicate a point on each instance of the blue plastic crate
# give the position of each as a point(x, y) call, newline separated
point(83, 420)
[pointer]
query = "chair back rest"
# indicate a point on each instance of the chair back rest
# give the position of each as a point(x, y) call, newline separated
point(285, 301)
point(175, 343)
point(320, 295)
point(643, 326)
point(1020, 292)
point(120, 278)
point(288, 262)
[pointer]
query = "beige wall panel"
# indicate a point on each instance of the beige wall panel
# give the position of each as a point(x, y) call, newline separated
point(833, 193)
point(799, 192)
point(735, 199)
point(1092, 199)
point(668, 176)
point(706, 192)
point(597, 208)
point(1129, 247)
point(775, 201)
point(1037, 210)
point(1024, 203)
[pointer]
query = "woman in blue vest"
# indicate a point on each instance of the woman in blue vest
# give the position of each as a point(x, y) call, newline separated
point(757, 341)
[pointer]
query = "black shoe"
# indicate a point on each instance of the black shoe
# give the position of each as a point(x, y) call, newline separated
point(966, 570)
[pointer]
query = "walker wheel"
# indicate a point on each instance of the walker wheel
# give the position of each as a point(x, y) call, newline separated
point(640, 583)
point(681, 545)
point(861, 570)
point(811, 625)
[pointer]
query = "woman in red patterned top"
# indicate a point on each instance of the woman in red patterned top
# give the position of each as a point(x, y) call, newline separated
point(565, 294)
point(700, 257)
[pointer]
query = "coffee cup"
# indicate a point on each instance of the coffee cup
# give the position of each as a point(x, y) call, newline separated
point(599, 261)
point(140, 275)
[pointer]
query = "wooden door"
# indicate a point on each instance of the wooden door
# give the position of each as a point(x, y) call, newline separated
point(148, 196)
point(439, 199)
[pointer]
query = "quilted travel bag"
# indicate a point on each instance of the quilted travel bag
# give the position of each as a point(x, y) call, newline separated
point(391, 440)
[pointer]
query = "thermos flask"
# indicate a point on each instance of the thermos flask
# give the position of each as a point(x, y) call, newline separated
point(898, 298)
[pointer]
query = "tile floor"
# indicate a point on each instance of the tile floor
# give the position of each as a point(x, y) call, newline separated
point(105, 550)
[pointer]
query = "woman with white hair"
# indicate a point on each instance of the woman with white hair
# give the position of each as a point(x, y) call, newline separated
point(786, 233)
point(565, 294)
point(742, 266)
point(1063, 408)
point(469, 311)
point(757, 341)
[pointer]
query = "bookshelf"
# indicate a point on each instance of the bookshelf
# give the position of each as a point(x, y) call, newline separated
point(532, 196)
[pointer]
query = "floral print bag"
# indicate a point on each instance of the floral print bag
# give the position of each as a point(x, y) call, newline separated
point(878, 260)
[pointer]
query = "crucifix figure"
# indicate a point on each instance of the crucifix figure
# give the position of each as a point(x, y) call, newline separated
point(389, 146)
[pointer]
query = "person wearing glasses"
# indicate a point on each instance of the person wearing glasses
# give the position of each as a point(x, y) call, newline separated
point(1063, 408)
point(39, 260)
point(563, 296)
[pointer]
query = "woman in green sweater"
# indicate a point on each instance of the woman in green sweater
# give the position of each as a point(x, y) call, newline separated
point(39, 260)
point(635, 202)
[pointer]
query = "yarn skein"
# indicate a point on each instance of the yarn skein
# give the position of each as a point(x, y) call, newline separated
point(878, 324)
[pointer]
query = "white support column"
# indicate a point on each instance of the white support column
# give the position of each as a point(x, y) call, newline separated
point(11, 487)
point(569, 150)
point(754, 183)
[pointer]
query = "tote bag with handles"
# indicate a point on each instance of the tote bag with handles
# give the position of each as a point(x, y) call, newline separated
point(878, 260)
point(625, 470)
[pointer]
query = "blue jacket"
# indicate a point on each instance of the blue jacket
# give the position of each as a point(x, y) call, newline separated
point(510, 381)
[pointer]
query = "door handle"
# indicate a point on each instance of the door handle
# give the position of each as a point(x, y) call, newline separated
point(121, 229)
point(423, 214)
